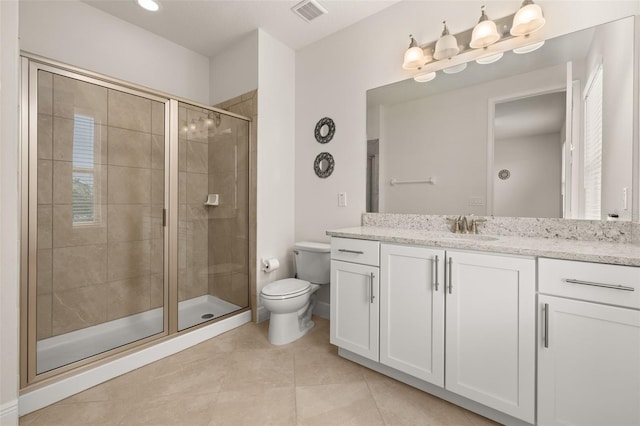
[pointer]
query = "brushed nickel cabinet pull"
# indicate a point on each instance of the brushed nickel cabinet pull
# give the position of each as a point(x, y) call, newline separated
point(450, 275)
point(351, 251)
point(594, 284)
point(546, 325)
point(436, 260)
point(371, 287)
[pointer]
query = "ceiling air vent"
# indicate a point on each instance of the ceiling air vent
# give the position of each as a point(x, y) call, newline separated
point(309, 10)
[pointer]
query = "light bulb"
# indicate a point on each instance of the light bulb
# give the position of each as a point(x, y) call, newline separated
point(484, 33)
point(446, 46)
point(528, 19)
point(414, 56)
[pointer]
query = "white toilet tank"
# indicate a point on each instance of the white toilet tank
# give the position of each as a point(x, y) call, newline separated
point(313, 261)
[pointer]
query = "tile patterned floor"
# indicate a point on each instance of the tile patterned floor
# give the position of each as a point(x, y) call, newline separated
point(238, 378)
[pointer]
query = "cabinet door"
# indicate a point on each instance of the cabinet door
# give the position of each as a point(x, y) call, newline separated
point(588, 364)
point(412, 311)
point(355, 308)
point(490, 316)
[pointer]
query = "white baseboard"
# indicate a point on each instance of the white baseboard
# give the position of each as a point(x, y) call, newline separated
point(58, 391)
point(322, 310)
point(9, 413)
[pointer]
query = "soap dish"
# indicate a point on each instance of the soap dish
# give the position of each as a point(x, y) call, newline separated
point(212, 200)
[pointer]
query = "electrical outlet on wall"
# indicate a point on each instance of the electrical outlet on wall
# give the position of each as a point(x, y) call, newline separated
point(342, 199)
point(476, 201)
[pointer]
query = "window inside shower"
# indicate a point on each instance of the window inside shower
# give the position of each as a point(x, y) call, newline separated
point(107, 166)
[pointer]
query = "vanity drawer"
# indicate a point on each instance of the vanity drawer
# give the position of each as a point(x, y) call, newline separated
point(366, 252)
point(595, 282)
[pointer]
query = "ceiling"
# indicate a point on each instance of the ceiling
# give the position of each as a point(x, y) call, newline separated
point(209, 26)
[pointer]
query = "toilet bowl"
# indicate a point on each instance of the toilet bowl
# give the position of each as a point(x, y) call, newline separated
point(291, 301)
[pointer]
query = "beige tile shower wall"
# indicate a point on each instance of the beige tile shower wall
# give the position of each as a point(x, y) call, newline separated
point(91, 273)
point(192, 215)
point(229, 222)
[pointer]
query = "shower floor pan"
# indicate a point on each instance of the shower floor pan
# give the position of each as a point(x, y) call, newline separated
point(70, 347)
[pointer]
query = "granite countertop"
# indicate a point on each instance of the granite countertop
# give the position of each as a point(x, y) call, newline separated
point(589, 251)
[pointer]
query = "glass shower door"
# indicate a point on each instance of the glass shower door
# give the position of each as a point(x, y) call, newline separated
point(96, 221)
point(213, 215)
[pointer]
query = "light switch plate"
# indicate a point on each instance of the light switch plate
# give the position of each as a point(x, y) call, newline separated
point(342, 199)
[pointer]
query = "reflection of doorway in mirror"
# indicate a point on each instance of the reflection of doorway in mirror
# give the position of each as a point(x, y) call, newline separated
point(528, 136)
point(373, 151)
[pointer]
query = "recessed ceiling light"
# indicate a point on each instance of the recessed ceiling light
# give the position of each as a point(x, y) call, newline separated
point(150, 5)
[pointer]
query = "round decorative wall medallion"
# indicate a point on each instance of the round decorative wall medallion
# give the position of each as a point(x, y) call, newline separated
point(325, 129)
point(504, 174)
point(323, 165)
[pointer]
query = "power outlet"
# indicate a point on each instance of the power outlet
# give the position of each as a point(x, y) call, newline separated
point(476, 201)
point(342, 199)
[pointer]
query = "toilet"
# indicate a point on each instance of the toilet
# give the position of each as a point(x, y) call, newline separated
point(291, 301)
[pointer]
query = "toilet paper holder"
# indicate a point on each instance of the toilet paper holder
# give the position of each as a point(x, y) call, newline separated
point(270, 264)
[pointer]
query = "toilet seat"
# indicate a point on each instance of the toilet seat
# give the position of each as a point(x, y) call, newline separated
point(285, 289)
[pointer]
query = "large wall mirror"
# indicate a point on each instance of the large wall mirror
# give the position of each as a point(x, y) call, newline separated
point(543, 134)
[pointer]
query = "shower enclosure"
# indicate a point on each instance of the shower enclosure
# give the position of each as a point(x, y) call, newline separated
point(135, 216)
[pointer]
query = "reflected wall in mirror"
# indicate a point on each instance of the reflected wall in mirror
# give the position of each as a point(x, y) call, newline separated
point(560, 119)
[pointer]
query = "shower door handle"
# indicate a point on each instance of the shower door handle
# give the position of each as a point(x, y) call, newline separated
point(164, 218)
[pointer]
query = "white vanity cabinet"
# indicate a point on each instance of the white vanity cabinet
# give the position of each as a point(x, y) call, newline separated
point(354, 316)
point(412, 311)
point(589, 349)
point(482, 348)
point(490, 338)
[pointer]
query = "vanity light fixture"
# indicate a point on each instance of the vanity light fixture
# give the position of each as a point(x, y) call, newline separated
point(529, 48)
point(447, 45)
point(528, 19)
point(490, 59)
point(414, 56)
point(455, 69)
point(425, 77)
point(482, 43)
point(484, 33)
point(150, 5)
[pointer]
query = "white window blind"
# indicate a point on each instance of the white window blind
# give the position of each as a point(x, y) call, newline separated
point(84, 176)
point(593, 146)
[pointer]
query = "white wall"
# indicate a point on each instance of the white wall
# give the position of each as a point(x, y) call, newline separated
point(234, 71)
point(535, 163)
point(333, 75)
point(276, 115)
point(612, 46)
point(9, 220)
point(78, 34)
